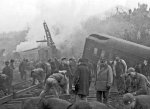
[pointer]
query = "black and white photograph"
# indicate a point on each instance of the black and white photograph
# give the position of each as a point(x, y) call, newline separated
point(74, 54)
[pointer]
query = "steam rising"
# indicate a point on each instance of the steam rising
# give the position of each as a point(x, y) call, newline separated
point(64, 19)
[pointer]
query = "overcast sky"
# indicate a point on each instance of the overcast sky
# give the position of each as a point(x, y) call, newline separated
point(18, 14)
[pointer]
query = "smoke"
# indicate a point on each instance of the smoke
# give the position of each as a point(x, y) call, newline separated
point(64, 19)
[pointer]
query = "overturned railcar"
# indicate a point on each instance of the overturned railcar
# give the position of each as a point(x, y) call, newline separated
point(101, 45)
point(40, 53)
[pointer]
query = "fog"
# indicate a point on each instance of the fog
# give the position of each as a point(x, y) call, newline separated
point(63, 17)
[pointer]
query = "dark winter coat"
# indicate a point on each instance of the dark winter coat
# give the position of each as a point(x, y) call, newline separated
point(82, 79)
point(145, 70)
point(22, 66)
point(8, 71)
point(139, 84)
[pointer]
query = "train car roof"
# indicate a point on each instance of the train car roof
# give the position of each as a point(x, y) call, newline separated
point(122, 45)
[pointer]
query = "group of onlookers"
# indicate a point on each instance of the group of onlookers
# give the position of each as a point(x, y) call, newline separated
point(115, 76)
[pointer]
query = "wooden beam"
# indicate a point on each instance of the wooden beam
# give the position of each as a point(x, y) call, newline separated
point(21, 92)
point(65, 96)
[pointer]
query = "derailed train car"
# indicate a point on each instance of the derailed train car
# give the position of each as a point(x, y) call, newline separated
point(101, 45)
point(40, 53)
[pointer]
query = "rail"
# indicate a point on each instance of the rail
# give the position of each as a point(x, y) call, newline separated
point(20, 83)
point(18, 93)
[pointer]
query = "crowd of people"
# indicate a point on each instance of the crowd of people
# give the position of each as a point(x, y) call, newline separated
point(132, 82)
point(75, 77)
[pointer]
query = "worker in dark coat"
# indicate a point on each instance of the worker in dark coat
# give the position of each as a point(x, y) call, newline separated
point(73, 66)
point(136, 102)
point(139, 83)
point(22, 69)
point(104, 80)
point(8, 72)
point(53, 66)
point(3, 78)
point(119, 68)
point(145, 68)
point(65, 66)
point(12, 67)
point(82, 80)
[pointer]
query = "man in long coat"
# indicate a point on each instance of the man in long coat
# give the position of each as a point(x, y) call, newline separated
point(104, 80)
point(22, 69)
point(82, 79)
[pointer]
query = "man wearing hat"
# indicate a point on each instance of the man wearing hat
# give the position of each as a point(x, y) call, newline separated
point(136, 102)
point(8, 72)
point(139, 83)
point(12, 67)
point(104, 80)
point(82, 80)
point(65, 66)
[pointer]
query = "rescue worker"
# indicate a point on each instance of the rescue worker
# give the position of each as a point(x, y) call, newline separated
point(12, 64)
point(57, 81)
point(73, 66)
point(136, 102)
point(82, 80)
point(90, 65)
point(8, 72)
point(119, 68)
point(12, 67)
point(104, 80)
point(37, 74)
point(53, 66)
point(57, 63)
point(47, 69)
point(3, 78)
point(145, 68)
point(139, 83)
point(65, 66)
point(138, 68)
point(22, 69)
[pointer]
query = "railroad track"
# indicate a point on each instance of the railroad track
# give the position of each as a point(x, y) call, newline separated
point(13, 101)
point(7, 98)
point(21, 85)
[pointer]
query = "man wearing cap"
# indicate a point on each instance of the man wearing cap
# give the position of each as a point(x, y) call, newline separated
point(65, 66)
point(136, 102)
point(8, 72)
point(104, 79)
point(82, 80)
point(12, 67)
point(139, 83)
point(119, 68)
point(58, 81)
